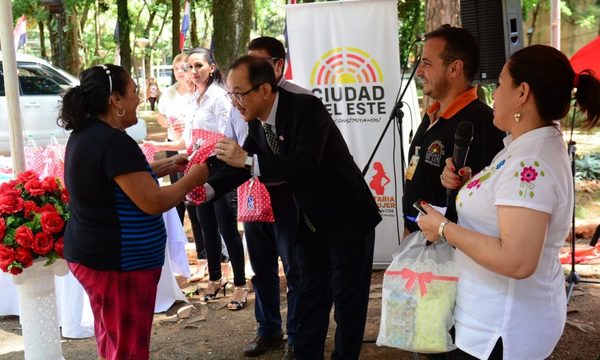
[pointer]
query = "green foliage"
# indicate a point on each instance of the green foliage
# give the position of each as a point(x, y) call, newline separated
point(411, 14)
point(269, 19)
point(588, 167)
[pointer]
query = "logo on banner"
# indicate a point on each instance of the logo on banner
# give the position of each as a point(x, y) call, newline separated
point(349, 82)
point(378, 183)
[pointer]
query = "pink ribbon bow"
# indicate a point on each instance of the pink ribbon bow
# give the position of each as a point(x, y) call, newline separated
point(423, 278)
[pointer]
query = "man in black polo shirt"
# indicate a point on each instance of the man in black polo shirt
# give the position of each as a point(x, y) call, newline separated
point(449, 63)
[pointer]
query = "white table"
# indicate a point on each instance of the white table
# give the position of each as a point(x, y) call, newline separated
point(78, 321)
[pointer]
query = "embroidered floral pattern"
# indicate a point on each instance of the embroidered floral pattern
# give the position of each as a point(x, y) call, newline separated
point(528, 175)
point(487, 173)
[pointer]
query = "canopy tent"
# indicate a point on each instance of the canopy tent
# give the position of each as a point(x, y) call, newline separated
point(588, 58)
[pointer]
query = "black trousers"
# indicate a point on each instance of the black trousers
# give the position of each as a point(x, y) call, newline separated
point(333, 274)
point(220, 218)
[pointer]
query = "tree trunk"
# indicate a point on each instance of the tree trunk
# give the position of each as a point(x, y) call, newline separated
point(176, 25)
point(97, 35)
point(193, 25)
point(42, 40)
point(232, 22)
point(73, 60)
point(124, 30)
point(440, 12)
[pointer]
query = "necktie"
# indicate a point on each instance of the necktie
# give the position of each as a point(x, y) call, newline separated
point(271, 138)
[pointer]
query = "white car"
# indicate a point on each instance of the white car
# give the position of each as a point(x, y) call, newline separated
point(41, 85)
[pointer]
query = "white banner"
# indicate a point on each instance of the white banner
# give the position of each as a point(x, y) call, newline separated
point(347, 54)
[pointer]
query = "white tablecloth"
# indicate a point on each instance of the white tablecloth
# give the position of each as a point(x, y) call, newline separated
point(78, 322)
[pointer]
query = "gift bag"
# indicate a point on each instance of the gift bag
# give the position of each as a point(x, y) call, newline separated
point(254, 202)
point(149, 150)
point(34, 156)
point(203, 145)
point(54, 161)
point(419, 292)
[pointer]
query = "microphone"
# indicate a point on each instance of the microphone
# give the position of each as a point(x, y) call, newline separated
point(462, 140)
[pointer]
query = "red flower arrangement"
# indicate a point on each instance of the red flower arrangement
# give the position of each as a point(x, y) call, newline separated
point(33, 214)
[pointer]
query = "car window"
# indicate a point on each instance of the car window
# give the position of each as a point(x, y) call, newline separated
point(34, 83)
point(45, 72)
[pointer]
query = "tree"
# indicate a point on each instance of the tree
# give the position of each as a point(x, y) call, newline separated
point(124, 24)
point(440, 12)
point(232, 21)
point(176, 26)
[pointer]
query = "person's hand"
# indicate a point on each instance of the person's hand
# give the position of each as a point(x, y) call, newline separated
point(199, 173)
point(229, 151)
point(450, 179)
point(430, 222)
point(178, 126)
point(179, 162)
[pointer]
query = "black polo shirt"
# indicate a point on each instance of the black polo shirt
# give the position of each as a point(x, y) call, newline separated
point(437, 143)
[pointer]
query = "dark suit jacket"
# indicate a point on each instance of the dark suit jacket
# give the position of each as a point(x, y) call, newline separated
point(314, 160)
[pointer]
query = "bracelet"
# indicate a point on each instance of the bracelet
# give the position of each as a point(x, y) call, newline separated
point(441, 229)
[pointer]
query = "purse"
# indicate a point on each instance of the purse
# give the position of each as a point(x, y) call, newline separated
point(418, 296)
point(254, 202)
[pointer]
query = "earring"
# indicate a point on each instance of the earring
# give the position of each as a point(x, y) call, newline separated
point(517, 116)
point(120, 114)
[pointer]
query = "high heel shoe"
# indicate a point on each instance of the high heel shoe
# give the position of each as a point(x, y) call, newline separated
point(239, 298)
point(213, 289)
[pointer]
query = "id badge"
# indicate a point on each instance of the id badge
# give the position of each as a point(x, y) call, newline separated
point(412, 165)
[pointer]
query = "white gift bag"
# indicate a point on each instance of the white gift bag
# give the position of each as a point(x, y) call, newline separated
point(419, 292)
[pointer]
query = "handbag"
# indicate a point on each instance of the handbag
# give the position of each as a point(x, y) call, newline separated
point(418, 296)
point(254, 202)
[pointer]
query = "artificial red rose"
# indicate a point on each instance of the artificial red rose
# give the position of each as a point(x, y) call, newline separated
point(64, 196)
point(47, 208)
point(24, 256)
point(34, 187)
point(10, 202)
point(7, 256)
point(24, 236)
point(15, 270)
point(49, 184)
point(27, 176)
point(59, 247)
point(52, 222)
point(9, 185)
point(2, 229)
point(42, 243)
point(30, 207)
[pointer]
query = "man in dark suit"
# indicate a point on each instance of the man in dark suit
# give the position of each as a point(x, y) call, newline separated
point(292, 138)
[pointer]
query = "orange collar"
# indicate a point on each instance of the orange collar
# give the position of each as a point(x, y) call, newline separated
point(457, 105)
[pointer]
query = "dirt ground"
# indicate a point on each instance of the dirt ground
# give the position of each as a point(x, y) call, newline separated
point(213, 332)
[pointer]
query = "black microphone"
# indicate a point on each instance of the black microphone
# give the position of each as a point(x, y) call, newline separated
point(462, 140)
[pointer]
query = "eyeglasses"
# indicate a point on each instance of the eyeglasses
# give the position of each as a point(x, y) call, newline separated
point(238, 97)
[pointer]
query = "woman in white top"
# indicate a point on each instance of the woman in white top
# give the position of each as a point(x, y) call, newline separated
point(212, 111)
point(515, 214)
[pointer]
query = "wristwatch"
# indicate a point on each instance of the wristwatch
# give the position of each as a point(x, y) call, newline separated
point(249, 163)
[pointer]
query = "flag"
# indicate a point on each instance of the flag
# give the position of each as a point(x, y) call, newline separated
point(20, 33)
point(288, 69)
point(185, 25)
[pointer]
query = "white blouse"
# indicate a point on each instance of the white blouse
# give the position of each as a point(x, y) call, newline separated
point(174, 104)
point(212, 113)
point(532, 172)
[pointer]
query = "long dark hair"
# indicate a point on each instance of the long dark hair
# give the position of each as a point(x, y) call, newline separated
point(552, 80)
point(91, 96)
point(217, 75)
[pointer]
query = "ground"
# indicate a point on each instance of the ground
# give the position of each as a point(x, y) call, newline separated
point(213, 332)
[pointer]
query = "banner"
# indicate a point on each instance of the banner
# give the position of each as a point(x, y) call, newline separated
point(347, 54)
